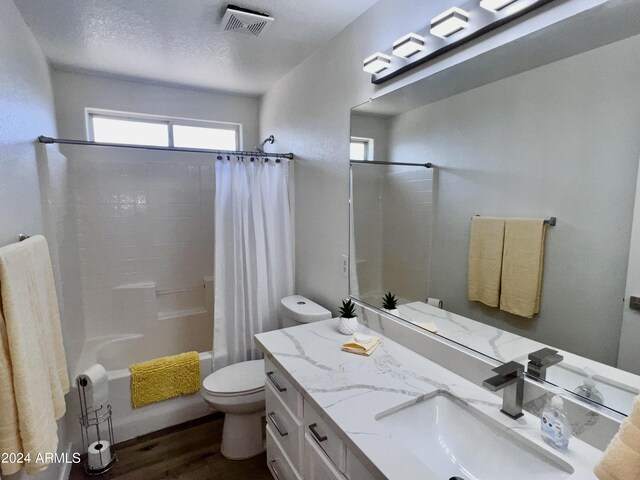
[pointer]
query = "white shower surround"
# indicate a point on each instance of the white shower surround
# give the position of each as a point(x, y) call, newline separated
point(171, 335)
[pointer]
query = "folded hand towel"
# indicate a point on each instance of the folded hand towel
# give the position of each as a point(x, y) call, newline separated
point(163, 378)
point(361, 344)
point(621, 460)
point(432, 327)
point(522, 266)
point(33, 367)
point(485, 259)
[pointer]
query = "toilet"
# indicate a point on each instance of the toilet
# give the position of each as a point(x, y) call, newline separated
point(238, 390)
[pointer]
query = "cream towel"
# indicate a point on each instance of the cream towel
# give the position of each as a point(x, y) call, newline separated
point(9, 429)
point(621, 460)
point(485, 259)
point(432, 327)
point(33, 369)
point(522, 265)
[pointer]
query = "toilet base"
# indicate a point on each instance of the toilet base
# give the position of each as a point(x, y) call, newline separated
point(242, 436)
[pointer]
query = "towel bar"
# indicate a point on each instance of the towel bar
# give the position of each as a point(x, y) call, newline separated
point(23, 237)
point(550, 221)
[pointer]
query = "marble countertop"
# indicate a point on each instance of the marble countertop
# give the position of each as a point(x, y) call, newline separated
point(619, 387)
point(350, 390)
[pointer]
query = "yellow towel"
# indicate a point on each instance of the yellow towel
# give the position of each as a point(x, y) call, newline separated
point(485, 259)
point(361, 344)
point(522, 266)
point(33, 369)
point(164, 378)
point(621, 460)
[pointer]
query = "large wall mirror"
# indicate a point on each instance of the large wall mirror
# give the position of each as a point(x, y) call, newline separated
point(548, 126)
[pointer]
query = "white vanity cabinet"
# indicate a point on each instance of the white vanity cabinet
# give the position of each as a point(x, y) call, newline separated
point(300, 444)
point(317, 465)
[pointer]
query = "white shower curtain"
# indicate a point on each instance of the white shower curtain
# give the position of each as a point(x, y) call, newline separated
point(253, 257)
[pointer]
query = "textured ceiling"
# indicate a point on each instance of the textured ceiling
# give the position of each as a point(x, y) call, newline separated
point(182, 42)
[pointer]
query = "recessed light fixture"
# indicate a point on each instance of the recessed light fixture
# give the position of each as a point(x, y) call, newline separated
point(495, 5)
point(449, 22)
point(408, 45)
point(376, 63)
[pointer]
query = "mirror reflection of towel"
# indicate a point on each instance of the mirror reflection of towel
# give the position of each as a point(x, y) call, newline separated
point(485, 259)
point(522, 266)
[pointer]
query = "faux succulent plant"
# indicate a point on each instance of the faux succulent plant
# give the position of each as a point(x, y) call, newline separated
point(389, 301)
point(348, 309)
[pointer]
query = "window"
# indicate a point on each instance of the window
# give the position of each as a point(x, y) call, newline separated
point(135, 129)
point(119, 130)
point(204, 137)
point(361, 148)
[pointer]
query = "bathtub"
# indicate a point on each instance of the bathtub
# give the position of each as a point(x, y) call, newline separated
point(170, 333)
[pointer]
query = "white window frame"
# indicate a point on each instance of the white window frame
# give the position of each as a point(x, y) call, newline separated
point(369, 146)
point(90, 113)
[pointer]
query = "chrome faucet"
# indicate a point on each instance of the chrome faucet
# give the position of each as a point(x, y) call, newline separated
point(542, 359)
point(510, 378)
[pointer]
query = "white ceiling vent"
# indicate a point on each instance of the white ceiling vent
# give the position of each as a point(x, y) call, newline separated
point(242, 20)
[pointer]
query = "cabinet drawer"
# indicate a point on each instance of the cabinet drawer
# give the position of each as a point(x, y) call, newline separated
point(324, 437)
point(285, 427)
point(277, 461)
point(283, 388)
point(317, 465)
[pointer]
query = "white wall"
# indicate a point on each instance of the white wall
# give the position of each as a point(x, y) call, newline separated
point(74, 92)
point(142, 216)
point(26, 111)
point(308, 112)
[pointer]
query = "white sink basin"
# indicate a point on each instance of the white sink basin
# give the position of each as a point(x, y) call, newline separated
point(455, 440)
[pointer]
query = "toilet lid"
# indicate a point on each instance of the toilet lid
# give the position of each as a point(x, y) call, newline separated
point(243, 377)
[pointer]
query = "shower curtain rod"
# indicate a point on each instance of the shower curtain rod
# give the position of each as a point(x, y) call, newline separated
point(369, 162)
point(242, 153)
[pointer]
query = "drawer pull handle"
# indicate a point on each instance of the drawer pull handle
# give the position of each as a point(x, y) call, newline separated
point(275, 382)
point(275, 424)
point(320, 438)
point(274, 469)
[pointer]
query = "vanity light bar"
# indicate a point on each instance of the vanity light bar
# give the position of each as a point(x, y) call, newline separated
point(449, 22)
point(376, 63)
point(475, 17)
point(495, 5)
point(408, 45)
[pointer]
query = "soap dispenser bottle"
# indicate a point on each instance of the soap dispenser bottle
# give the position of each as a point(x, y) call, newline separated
point(554, 423)
point(588, 388)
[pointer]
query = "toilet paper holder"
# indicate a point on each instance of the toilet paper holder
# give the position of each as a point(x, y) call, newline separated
point(95, 423)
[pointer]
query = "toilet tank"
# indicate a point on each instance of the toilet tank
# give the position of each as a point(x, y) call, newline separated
point(297, 310)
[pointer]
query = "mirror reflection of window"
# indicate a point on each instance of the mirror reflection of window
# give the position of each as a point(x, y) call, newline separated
point(361, 148)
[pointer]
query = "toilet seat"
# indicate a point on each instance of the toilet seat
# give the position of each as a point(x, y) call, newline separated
point(239, 379)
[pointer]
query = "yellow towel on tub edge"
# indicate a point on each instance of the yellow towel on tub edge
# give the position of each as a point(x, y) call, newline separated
point(164, 378)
